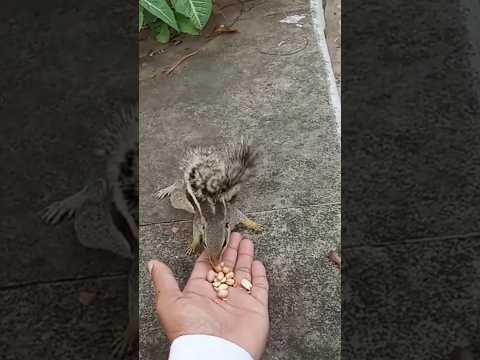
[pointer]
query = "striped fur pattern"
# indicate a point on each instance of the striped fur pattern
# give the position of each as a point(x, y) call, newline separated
point(121, 150)
point(217, 173)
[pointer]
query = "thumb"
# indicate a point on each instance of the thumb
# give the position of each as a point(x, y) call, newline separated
point(164, 281)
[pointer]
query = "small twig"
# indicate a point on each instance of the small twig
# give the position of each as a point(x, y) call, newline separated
point(222, 29)
point(180, 61)
point(227, 29)
point(337, 260)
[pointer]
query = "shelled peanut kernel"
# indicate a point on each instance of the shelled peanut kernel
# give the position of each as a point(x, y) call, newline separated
point(222, 278)
point(247, 285)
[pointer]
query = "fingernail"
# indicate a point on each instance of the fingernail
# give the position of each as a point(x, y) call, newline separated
point(150, 266)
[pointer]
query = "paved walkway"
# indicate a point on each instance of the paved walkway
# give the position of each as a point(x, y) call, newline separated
point(270, 81)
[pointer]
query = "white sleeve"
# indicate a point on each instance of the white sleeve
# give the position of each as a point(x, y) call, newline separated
point(205, 347)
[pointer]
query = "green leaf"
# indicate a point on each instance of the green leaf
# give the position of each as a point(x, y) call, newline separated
point(148, 17)
point(198, 11)
point(180, 6)
point(160, 9)
point(140, 18)
point(160, 31)
point(186, 25)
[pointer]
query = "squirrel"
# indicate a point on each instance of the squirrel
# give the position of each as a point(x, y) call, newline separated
point(212, 177)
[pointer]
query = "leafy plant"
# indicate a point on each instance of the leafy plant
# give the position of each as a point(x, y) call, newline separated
point(183, 16)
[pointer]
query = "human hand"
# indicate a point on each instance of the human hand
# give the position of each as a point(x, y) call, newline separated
point(241, 319)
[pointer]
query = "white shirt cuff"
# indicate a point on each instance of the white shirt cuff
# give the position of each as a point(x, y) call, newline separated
point(206, 347)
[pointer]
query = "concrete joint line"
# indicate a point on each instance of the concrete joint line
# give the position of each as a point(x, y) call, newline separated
point(413, 241)
point(259, 212)
point(60, 281)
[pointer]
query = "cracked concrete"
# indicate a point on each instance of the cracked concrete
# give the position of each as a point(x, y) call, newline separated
point(269, 81)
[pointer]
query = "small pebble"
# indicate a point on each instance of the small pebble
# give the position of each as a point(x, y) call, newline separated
point(230, 275)
point(230, 282)
point(220, 275)
point(225, 270)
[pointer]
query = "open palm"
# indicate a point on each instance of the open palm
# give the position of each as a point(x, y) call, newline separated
point(241, 319)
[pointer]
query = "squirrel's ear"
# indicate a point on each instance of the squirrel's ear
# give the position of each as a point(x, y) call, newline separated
point(179, 200)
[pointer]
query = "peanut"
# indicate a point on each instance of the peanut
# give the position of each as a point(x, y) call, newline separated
point(211, 275)
point(247, 285)
point(220, 276)
point(222, 294)
point(222, 287)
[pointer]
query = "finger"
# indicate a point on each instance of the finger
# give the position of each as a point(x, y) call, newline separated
point(243, 267)
point(259, 282)
point(230, 254)
point(164, 282)
point(201, 267)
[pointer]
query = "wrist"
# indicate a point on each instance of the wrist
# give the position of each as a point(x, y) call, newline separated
point(206, 347)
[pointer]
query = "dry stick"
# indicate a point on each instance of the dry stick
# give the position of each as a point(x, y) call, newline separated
point(209, 38)
point(221, 29)
point(181, 60)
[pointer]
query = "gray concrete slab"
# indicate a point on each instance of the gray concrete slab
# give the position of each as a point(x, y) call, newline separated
point(305, 286)
point(63, 320)
point(428, 303)
point(267, 82)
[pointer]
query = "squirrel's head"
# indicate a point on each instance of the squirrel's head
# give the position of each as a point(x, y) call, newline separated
point(215, 230)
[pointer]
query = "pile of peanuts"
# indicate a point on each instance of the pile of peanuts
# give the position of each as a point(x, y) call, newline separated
point(222, 278)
